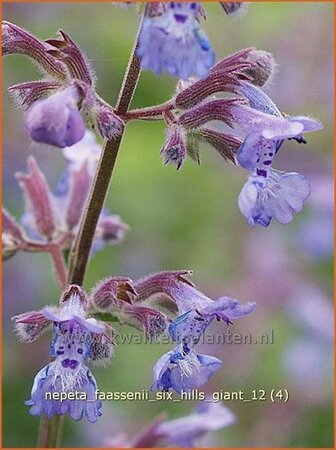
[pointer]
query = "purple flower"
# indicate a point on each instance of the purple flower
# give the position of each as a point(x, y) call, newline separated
point(183, 368)
point(269, 193)
point(58, 378)
point(56, 119)
point(277, 195)
point(66, 385)
point(172, 39)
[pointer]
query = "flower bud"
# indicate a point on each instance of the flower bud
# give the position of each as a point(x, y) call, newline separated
point(56, 119)
point(174, 150)
point(263, 66)
point(108, 294)
point(38, 198)
point(108, 123)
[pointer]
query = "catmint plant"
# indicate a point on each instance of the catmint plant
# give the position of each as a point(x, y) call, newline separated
point(217, 104)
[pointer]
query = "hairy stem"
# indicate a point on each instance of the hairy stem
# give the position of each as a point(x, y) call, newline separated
point(80, 251)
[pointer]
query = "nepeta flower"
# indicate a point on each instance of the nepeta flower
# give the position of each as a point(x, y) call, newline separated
point(66, 385)
point(172, 39)
point(268, 192)
point(183, 368)
point(56, 120)
point(58, 106)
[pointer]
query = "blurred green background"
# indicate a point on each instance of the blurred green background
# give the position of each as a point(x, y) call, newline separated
point(190, 220)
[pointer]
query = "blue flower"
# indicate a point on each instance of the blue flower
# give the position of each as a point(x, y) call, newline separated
point(66, 385)
point(269, 193)
point(183, 368)
point(172, 39)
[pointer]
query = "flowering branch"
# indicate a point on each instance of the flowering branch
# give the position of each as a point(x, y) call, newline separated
point(79, 254)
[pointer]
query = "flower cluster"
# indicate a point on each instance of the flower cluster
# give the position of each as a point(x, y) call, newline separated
point(52, 219)
point(231, 97)
point(58, 107)
point(75, 340)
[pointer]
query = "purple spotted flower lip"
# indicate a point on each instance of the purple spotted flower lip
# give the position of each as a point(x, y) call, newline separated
point(269, 193)
point(66, 385)
point(173, 40)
